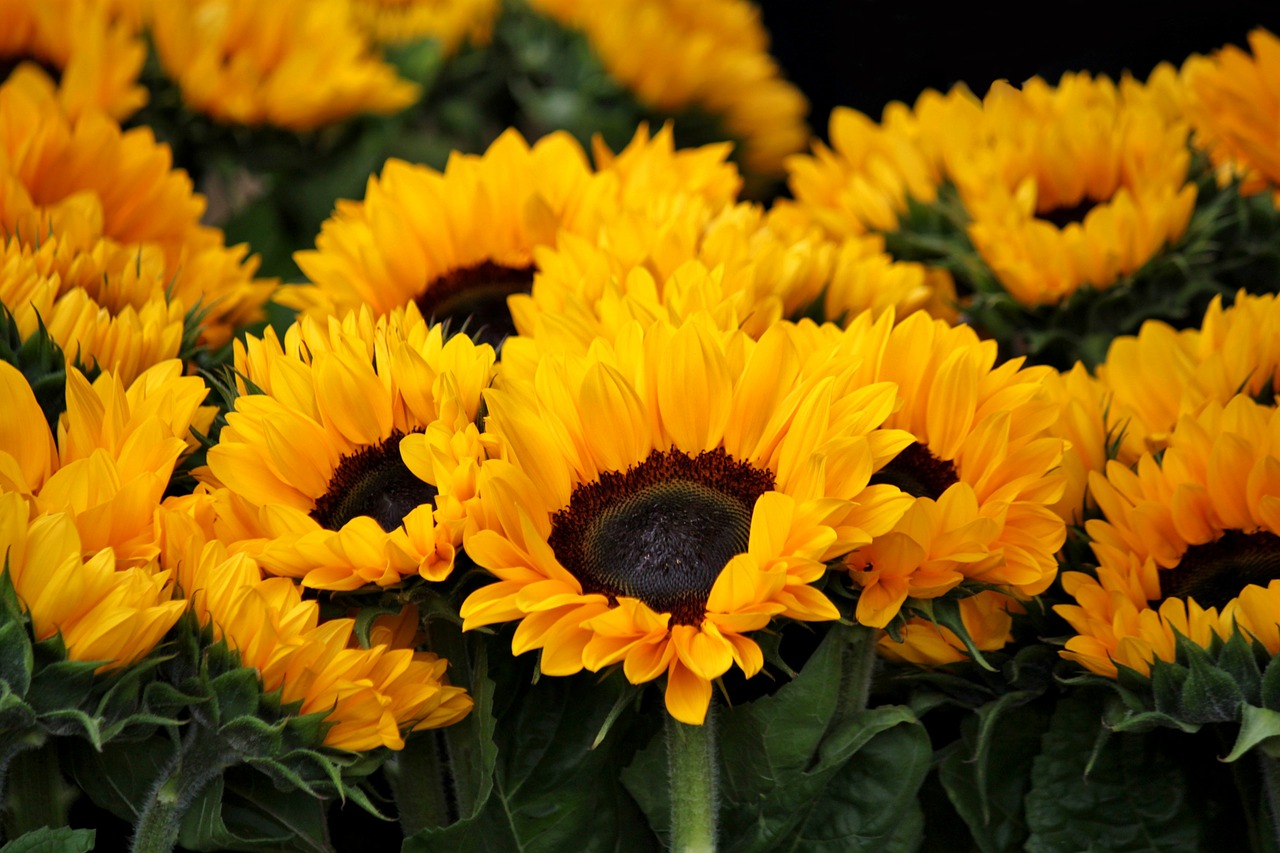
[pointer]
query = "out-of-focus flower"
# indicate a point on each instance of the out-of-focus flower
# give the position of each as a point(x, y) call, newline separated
point(450, 22)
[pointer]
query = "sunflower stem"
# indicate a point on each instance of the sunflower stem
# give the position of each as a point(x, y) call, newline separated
point(858, 666)
point(1271, 795)
point(198, 760)
point(421, 784)
point(691, 757)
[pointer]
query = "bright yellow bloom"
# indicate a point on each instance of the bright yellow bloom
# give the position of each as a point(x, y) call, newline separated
point(115, 452)
point(370, 696)
point(103, 613)
point(987, 619)
point(357, 462)
point(295, 64)
point(983, 468)
point(54, 179)
point(98, 53)
point(1187, 544)
point(712, 57)
point(448, 21)
point(667, 494)
point(1234, 105)
point(106, 306)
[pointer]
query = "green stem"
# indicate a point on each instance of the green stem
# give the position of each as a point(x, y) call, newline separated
point(37, 795)
point(858, 667)
point(198, 761)
point(691, 758)
point(1271, 795)
point(421, 784)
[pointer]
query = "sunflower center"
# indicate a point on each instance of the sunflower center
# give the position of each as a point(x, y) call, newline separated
point(662, 531)
point(918, 473)
point(1064, 216)
point(1215, 572)
point(372, 481)
point(475, 299)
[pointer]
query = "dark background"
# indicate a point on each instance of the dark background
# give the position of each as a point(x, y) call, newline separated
point(866, 53)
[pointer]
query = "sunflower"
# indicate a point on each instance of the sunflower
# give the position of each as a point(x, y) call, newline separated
point(450, 22)
point(710, 58)
point(728, 472)
point(106, 307)
point(353, 460)
point(114, 454)
point(987, 618)
point(1187, 544)
point(104, 613)
point(293, 64)
point(52, 180)
point(370, 696)
point(98, 53)
point(983, 467)
point(459, 243)
point(1234, 105)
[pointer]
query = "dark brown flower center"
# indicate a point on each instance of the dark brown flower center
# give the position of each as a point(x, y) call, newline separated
point(1215, 572)
point(372, 481)
point(662, 531)
point(474, 300)
point(918, 473)
point(1064, 216)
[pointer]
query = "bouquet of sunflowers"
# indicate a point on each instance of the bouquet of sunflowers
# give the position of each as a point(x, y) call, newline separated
point(433, 424)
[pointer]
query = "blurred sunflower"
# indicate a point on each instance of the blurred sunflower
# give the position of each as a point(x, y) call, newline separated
point(983, 468)
point(294, 64)
point(450, 22)
point(115, 451)
point(685, 59)
point(729, 472)
point(103, 613)
point(350, 455)
point(370, 696)
point(96, 51)
point(1187, 544)
point(106, 307)
point(52, 181)
point(1234, 105)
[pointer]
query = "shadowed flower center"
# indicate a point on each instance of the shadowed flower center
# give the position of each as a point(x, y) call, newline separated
point(662, 531)
point(918, 472)
point(372, 481)
point(1215, 572)
point(477, 297)
point(1064, 216)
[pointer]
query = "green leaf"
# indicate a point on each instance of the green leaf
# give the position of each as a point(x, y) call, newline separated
point(119, 777)
point(60, 839)
point(244, 811)
point(1135, 795)
point(1257, 726)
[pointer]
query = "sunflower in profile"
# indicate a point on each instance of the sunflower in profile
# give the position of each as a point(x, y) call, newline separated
point(96, 50)
point(112, 458)
point(983, 468)
point(988, 620)
point(350, 456)
point(52, 180)
point(730, 470)
point(370, 696)
point(293, 64)
point(1188, 544)
point(1234, 105)
point(104, 612)
point(106, 307)
point(450, 22)
point(712, 58)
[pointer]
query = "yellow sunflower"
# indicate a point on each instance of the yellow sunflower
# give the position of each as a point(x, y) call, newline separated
point(1187, 544)
point(106, 306)
point(97, 52)
point(370, 696)
point(712, 57)
point(53, 181)
point(983, 467)
point(104, 613)
point(1071, 185)
point(450, 22)
point(987, 618)
point(114, 454)
point(1234, 105)
point(294, 64)
point(665, 495)
point(353, 460)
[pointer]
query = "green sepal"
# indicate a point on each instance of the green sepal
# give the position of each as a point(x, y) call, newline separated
point(16, 657)
point(1259, 727)
point(1271, 684)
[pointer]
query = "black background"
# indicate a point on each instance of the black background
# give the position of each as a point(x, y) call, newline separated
point(866, 53)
